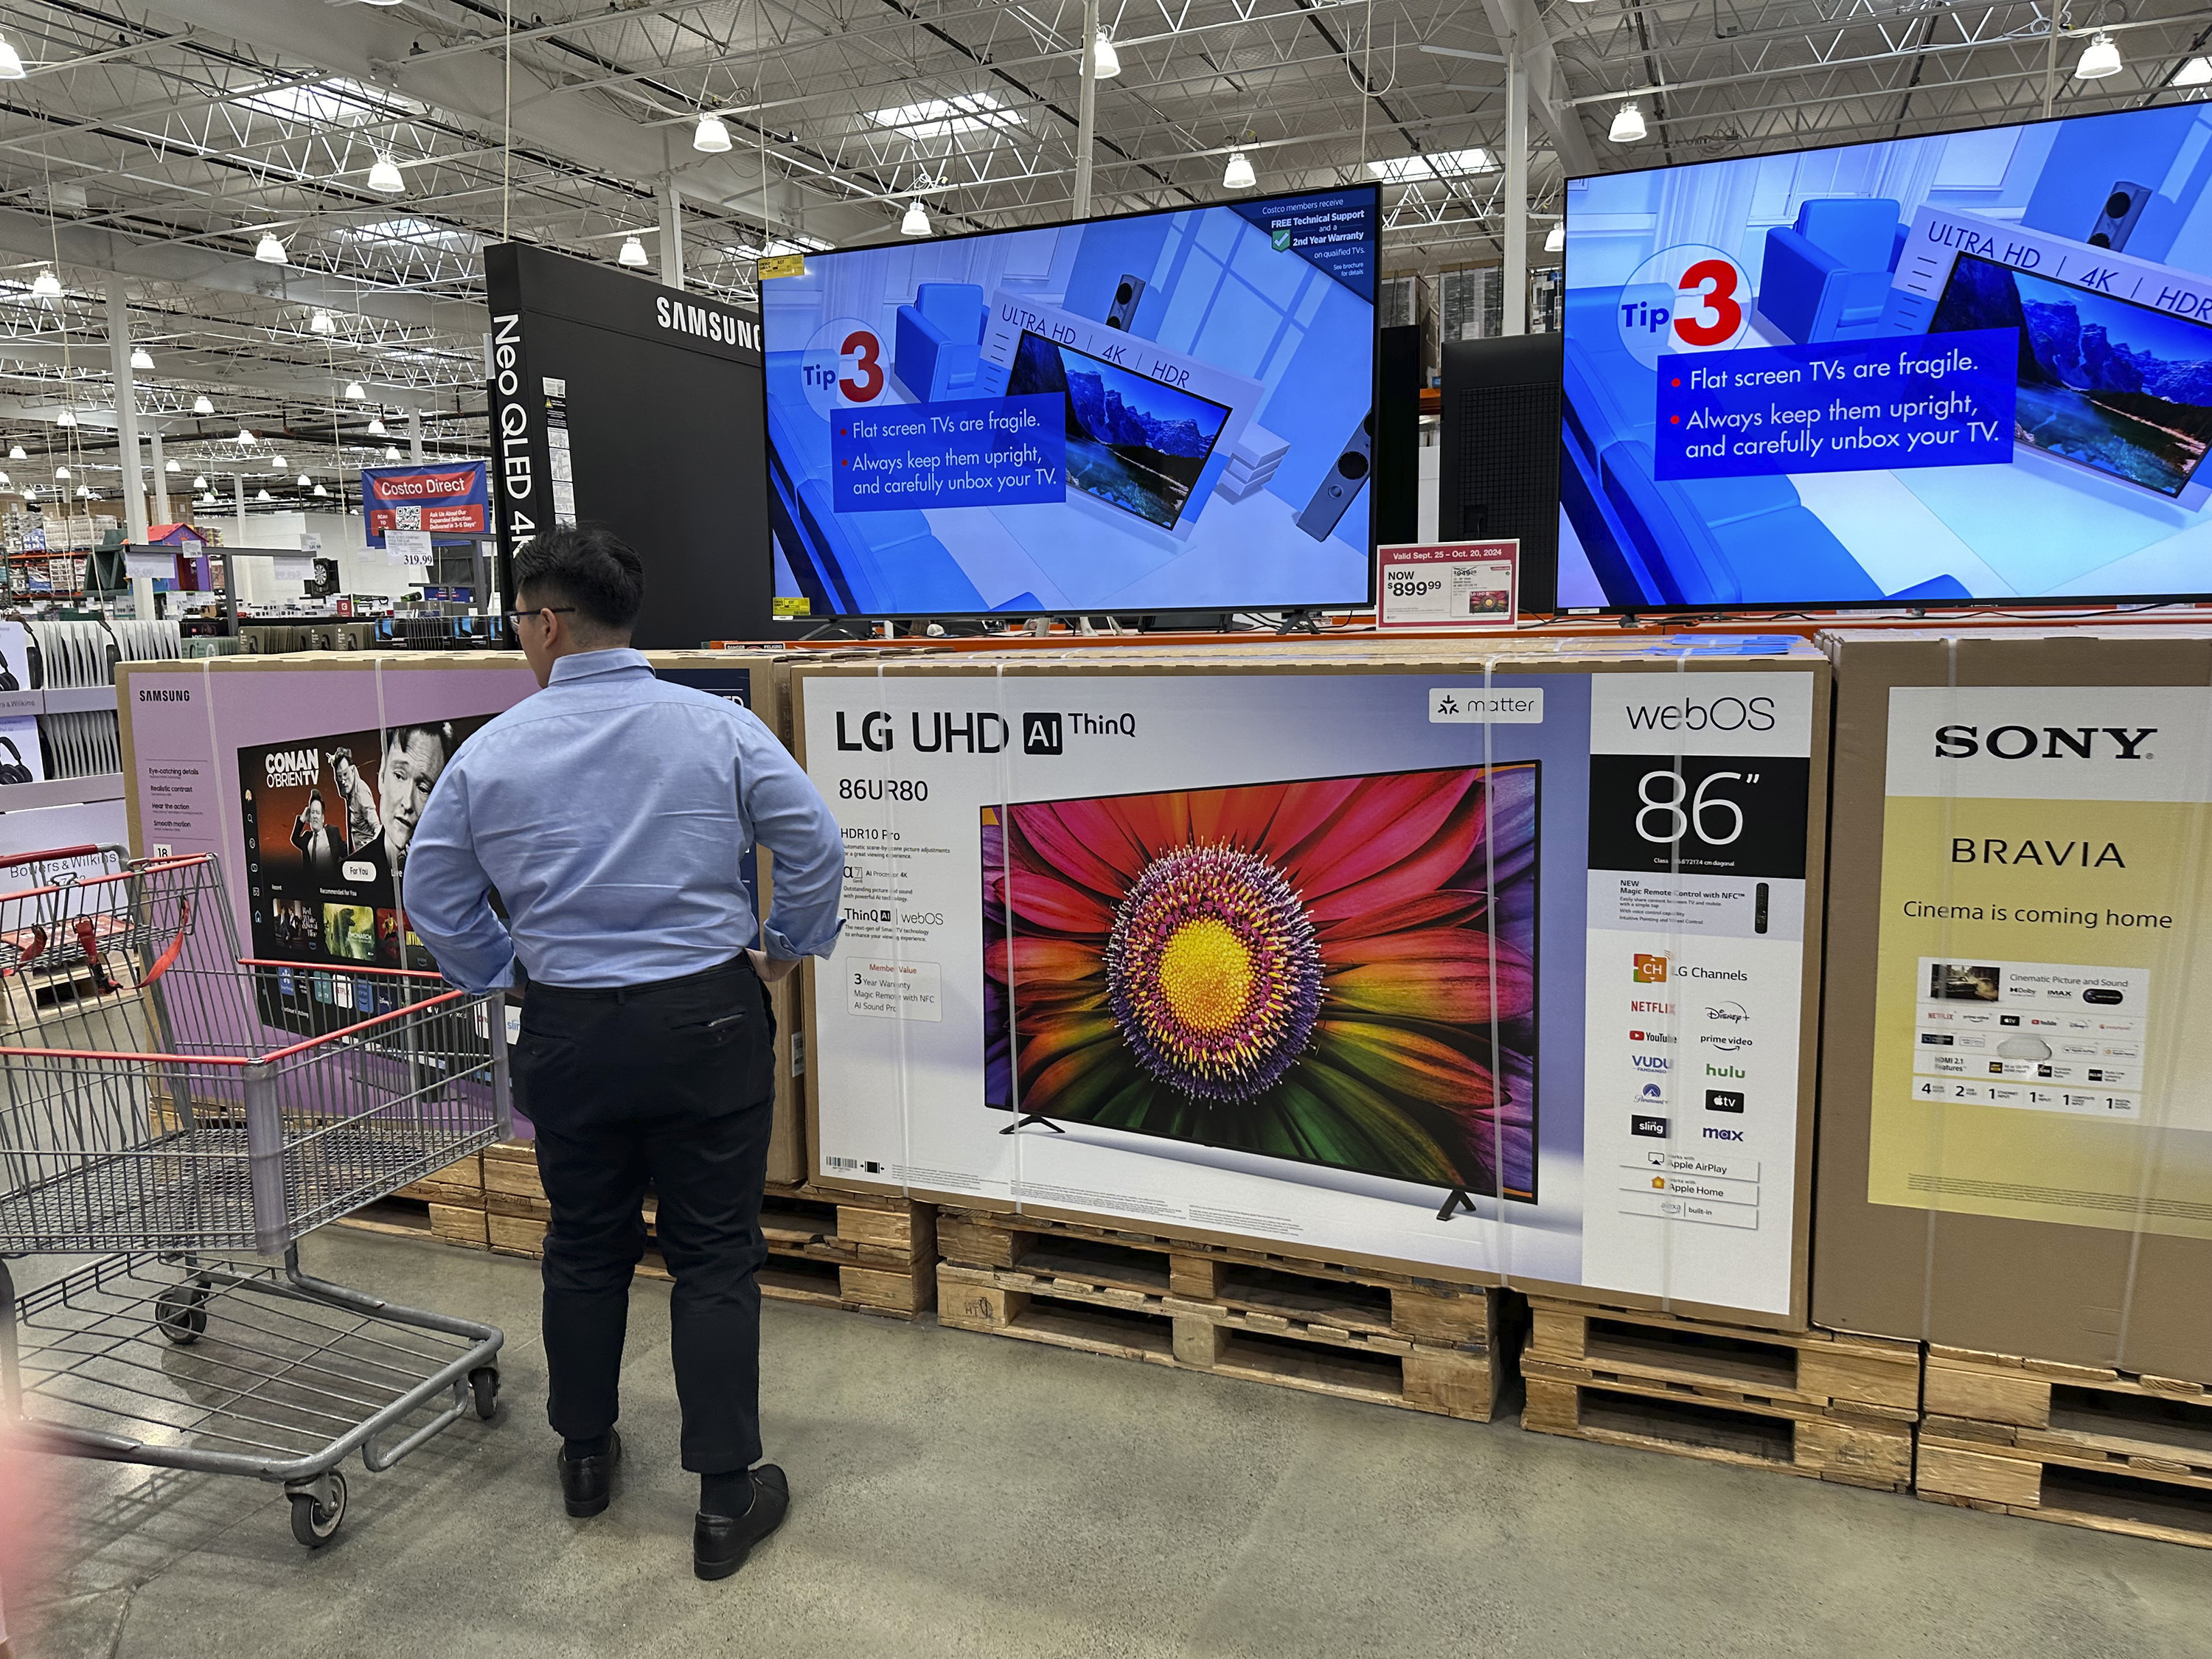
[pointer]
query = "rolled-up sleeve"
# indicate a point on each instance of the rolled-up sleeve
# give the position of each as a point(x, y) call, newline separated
point(447, 895)
point(790, 818)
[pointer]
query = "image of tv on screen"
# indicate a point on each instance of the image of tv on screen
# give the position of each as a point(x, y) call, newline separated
point(1970, 367)
point(1164, 411)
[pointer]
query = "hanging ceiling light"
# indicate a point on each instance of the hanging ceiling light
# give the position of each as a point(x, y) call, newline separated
point(84, 492)
point(63, 472)
point(30, 492)
point(353, 391)
point(323, 493)
point(202, 406)
point(11, 61)
point(916, 222)
point(171, 467)
point(66, 418)
point(278, 461)
point(1106, 60)
point(15, 452)
point(305, 480)
point(4, 481)
point(320, 323)
point(385, 177)
point(263, 496)
point(246, 437)
point(710, 137)
point(269, 250)
point(200, 481)
point(2196, 72)
point(392, 453)
point(1238, 174)
point(375, 426)
point(1555, 240)
point(632, 254)
point(46, 285)
point(141, 358)
point(2099, 58)
point(1627, 125)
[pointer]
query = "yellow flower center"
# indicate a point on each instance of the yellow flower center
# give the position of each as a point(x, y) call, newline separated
point(1205, 974)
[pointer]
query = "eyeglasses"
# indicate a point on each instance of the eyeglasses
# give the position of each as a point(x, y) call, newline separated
point(515, 618)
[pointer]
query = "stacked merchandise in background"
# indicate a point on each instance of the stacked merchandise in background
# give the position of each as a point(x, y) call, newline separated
point(2016, 1147)
point(1242, 946)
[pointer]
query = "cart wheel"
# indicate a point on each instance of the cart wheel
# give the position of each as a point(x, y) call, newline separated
point(181, 1312)
point(483, 1382)
point(314, 1525)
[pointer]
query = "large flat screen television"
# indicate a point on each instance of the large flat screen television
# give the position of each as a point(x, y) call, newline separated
point(1164, 411)
point(1969, 366)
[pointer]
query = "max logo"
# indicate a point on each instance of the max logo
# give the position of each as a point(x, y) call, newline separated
point(1041, 734)
point(2013, 742)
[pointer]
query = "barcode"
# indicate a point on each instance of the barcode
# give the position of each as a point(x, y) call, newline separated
point(843, 1163)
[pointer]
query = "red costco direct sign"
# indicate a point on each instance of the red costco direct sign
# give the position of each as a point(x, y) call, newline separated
point(445, 500)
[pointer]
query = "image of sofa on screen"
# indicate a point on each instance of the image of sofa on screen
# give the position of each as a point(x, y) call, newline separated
point(937, 346)
point(1827, 276)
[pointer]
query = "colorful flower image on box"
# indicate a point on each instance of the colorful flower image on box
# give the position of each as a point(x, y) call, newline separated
point(1339, 971)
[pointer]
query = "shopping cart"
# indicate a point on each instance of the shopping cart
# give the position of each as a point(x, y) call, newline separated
point(179, 1110)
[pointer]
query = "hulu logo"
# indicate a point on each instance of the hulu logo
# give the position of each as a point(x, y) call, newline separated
point(1723, 1071)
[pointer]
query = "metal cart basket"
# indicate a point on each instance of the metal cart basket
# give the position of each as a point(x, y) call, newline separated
point(170, 1106)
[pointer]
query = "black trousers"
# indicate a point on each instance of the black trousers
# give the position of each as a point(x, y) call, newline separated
point(671, 1084)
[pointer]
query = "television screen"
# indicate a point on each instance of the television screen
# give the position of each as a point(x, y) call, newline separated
point(1967, 367)
point(1172, 964)
point(1166, 411)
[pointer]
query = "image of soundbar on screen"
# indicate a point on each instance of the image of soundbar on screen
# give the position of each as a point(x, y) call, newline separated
point(1165, 411)
point(1963, 367)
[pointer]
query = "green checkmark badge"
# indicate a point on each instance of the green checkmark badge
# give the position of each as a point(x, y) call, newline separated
point(1282, 240)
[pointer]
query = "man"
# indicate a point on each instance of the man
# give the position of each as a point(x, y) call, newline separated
point(414, 756)
point(357, 797)
point(317, 846)
point(610, 813)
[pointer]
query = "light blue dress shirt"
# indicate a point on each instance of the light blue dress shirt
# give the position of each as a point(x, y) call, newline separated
point(611, 812)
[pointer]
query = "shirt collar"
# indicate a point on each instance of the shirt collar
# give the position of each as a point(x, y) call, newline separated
point(592, 664)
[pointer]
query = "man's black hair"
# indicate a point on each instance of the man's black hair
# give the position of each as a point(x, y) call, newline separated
point(586, 566)
point(439, 731)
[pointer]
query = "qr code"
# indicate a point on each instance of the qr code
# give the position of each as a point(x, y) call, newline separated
point(406, 518)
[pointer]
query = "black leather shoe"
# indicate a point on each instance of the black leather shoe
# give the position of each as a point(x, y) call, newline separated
point(720, 1545)
point(587, 1483)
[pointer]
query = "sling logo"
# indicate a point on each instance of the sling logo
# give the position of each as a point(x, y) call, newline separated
point(1651, 1128)
point(1650, 969)
point(2014, 743)
point(1042, 734)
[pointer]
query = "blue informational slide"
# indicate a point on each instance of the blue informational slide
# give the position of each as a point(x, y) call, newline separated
point(1171, 411)
point(1977, 366)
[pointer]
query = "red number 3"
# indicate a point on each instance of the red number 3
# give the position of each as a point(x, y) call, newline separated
point(862, 347)
point(1714, 283)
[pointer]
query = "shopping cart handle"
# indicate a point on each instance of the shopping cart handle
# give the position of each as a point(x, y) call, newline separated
point(12, 859)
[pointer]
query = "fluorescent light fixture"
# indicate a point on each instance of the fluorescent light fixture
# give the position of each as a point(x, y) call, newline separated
point(171, 467)
point(945, 117)
point(711, 136)
point(46, 285)
point(11, 61)
point(63, 472)
point(2196, 72)
point(2099, 58)
point(66, 418)
point(1627, 125)
point(1238, 174)
point(1555, 240)
point(353, 391)
point(141, 358)
point(916, 222)
point(392, 453)
point(269, 250)
point(1436, 164)
point(322, 323)
point(376, 425)
point(632, 254)
point(1106, 62)
point(202, 406)
point(385, 177)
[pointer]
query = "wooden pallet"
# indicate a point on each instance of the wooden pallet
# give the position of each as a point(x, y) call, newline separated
point(1330, 1329)
point(865, 1252)
point(1839, 1445)
point(2083, 1445)
point(1824, 1369)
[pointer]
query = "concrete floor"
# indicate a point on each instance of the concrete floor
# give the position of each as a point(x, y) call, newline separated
point(959, 1494)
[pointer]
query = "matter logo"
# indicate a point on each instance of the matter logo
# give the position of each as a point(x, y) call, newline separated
point(1650, 969)
point(1042, 734)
